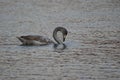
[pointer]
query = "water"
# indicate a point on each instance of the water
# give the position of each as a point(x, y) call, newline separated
point(92, 43)
point(36, 48)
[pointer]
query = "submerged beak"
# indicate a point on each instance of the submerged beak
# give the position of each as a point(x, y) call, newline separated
point(64, 37)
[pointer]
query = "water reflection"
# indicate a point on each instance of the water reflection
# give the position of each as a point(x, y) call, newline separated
point(68, 45)
point(59, 47)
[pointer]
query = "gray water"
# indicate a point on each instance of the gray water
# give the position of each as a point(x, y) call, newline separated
point(93, 40)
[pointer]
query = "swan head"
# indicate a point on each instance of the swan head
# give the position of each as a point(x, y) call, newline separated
point(64, 35)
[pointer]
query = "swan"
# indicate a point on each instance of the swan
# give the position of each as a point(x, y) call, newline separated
point(41, 40)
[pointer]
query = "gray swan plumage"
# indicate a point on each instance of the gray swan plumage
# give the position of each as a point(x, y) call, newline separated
point(41, 40)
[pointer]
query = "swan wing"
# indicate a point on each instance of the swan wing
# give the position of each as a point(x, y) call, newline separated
point(34, 39)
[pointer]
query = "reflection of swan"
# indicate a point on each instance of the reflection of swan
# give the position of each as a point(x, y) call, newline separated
point(40, 40)
point(59, 47)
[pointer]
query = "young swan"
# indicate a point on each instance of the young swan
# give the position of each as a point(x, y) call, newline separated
point(41, 40)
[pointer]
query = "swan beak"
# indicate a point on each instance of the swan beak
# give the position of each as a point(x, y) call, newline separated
point(64, 37)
